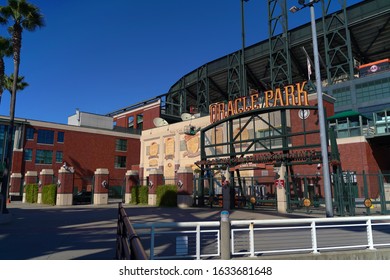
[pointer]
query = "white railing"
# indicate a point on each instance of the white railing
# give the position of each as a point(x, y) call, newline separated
point(181, 240)
point(263, 237)
point(315, 235)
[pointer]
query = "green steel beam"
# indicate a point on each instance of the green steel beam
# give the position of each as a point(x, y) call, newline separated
point(203, 98)
point(337, 39)
point(176, 102)
point(234, 77)
point(279, 45)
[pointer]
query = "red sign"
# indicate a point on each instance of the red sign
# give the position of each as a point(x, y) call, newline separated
point(279, 183)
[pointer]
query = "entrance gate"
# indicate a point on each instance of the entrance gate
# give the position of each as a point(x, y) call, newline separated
point(250, 193)
point(246, 149)
point(353, 193)
point(251, 135)
point(116, 190)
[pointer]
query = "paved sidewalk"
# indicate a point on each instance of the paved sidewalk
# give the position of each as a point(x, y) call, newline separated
point(88, 232)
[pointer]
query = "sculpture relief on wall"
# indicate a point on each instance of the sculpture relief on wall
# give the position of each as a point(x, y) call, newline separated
point(169, 148)
point(153, 154)
point(192, 145)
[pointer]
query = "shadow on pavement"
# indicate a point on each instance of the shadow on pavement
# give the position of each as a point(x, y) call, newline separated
point(88, 232)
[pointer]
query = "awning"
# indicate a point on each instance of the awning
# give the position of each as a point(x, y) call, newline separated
point(345, 114)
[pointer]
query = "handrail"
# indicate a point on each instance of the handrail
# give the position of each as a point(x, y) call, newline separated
point(178, 224)
point(312, 225)
point(128, 244)
point(309, 220)
point(194, 229)
point(204, 239)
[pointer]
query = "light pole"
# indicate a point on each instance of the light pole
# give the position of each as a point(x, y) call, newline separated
point(321, 116)
point(243, 76)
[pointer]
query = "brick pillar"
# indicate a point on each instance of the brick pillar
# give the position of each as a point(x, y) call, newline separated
point(15, 184)
point(155, 179)
point(185, 184)
point(100, 189)
point(64, 187)
point(45, 178)
point(132, 179)
point(29, 178)
point(280, 187)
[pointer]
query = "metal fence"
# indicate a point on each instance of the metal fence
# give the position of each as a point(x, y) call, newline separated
point(251, 238)
point(293, 236)
point(182, 240)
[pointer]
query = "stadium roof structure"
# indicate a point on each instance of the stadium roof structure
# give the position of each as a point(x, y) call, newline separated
point(354, 35)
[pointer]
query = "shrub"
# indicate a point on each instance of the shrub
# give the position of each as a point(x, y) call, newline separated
point(139, 195)
point(167, 196)
point(31, 191)
point(49, 194)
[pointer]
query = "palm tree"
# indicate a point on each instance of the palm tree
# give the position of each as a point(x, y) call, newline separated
point(9, 82)
point(5, 51)
point(24, 16)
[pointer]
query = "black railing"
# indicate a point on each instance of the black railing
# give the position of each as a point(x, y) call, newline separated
point(128, 244)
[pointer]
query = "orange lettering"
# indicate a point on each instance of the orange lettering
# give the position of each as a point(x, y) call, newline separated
point(278, 97)
point(268, 95)
point(302, 94)
point(289, 92)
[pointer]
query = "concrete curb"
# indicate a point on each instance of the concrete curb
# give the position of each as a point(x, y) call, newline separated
point(376, 254)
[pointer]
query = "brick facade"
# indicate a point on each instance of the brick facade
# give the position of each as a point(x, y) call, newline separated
point(83, 149)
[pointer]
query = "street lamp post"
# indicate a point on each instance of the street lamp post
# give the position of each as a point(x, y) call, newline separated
point(321, 115)
point(243, 76)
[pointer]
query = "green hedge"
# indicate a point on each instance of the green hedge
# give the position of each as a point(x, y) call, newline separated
point(139, 195)
point(167, 196)
point(31, 191)
point(49, 194)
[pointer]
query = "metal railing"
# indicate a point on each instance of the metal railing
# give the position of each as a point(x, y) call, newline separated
point(181, 240)
point(128, 244)
point(237, 238)
point(314, 235)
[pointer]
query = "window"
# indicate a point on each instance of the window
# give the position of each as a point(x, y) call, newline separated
point(30, 133)
point(130, 122)
point(45, 136)
point(3, 129)
point(60, 137)
point(28, 154)
point(59, 156)
point(44, 157)
point(120, 162)
point(121, 145)
point(140, 121)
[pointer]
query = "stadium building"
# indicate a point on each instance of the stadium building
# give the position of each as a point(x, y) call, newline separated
point(247, 124)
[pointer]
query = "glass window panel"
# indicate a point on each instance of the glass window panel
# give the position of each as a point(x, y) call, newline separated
point(30, 133)
point(45, 136)
point(28, 154)
point(120, 162)
point(121, 145)
point(60, 136)
point(44, 157)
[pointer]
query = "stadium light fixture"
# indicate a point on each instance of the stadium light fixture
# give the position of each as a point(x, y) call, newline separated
point(321, 115)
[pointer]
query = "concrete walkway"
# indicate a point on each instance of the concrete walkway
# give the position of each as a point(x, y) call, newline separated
point(88, 232)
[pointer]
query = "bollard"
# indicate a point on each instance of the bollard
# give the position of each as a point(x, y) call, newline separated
point(225, 235)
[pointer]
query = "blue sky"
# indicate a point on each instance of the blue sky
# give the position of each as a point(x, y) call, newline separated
point(100, 56)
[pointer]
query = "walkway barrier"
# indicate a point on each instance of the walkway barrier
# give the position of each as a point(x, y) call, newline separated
point(128, 244)
point(181, 240)
point(227, 238)
point(314, 235)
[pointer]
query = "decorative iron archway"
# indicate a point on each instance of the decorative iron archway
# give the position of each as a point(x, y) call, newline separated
point(257, 139)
